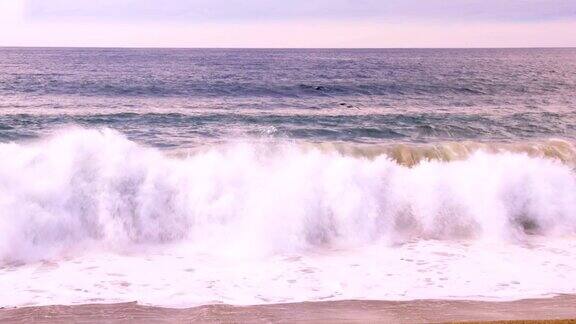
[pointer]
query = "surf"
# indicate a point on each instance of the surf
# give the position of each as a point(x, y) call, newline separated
point(81, 190)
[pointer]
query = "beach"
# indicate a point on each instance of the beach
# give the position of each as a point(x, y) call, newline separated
point(420, 311)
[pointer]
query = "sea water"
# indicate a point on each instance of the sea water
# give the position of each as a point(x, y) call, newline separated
point(179, 177)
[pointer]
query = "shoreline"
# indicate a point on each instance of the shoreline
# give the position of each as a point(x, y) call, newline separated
point(562, 307)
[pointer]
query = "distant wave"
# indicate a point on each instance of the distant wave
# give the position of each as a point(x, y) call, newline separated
point(94, 189)
point(178, 129)
point(48, 84)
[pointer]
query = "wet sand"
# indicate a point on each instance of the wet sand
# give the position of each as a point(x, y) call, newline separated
point(420, 311)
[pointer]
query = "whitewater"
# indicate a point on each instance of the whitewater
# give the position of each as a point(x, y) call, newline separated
point(87, 215)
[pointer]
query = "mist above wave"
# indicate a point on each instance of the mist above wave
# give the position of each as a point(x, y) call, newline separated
point(85, 189)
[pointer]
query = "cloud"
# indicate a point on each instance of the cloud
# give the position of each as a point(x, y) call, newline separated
point(294, 23)
point(240, 10)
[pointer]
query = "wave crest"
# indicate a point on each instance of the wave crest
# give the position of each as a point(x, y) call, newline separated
point(84, 189)
point(412, 154)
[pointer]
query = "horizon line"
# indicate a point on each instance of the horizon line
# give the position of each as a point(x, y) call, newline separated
point(284, 48)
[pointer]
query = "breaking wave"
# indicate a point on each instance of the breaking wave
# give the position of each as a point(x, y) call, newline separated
point(94, 189)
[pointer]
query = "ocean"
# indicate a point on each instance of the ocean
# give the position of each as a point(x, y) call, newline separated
point(186, 177)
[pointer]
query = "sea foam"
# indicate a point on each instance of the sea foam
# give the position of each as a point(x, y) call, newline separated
point(87, 189)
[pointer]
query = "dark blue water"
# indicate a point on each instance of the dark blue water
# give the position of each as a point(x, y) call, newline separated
point(183, 97)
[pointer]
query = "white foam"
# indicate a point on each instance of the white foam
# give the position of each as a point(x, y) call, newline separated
point(420, 270)
point(95, 203)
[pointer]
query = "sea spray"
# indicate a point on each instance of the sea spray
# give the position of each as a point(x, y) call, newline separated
point(84, 189)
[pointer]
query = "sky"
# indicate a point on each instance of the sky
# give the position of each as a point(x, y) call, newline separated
point(293, 23)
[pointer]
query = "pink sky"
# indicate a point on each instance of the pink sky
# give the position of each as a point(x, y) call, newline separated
point(68, 24)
